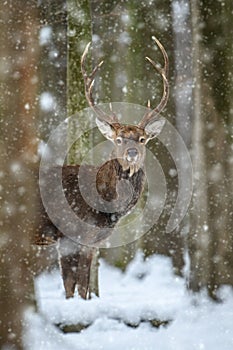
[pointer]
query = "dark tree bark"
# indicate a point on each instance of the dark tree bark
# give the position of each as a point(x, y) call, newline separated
point(210, 234)
point(53, 64)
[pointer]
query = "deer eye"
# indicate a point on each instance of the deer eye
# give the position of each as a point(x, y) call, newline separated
point(142, 139)
point(119, 140)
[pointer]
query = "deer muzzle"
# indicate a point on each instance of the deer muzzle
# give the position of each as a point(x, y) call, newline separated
point(132, 155)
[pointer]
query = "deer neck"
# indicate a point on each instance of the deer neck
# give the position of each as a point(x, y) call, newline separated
point(111, 172)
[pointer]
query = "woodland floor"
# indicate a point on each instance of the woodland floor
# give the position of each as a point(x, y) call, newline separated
point(145, 308)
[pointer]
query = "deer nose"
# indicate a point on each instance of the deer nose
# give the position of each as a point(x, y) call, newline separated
point(132, 154)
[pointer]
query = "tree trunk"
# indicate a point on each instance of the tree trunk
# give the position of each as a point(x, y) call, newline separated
point(210, 235)
point(199, 238)
point(52, 66)
point(18, 57)
point(79, 33)
point(52, 95)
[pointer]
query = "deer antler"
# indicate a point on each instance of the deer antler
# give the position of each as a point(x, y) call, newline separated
point(152, 114)
point(89, 83)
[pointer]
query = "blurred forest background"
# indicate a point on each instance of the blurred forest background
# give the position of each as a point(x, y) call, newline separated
point(41, 84)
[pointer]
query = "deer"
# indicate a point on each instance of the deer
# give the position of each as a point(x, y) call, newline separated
point(127, 163)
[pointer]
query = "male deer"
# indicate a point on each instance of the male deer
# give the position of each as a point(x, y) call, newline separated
point(128, 163)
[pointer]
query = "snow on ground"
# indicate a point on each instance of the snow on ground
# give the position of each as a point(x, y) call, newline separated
point(147, 291)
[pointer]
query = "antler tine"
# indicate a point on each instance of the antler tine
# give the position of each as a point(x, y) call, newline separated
point(152, 114)
point(89, 83)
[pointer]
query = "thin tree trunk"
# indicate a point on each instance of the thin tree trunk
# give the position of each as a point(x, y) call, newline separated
point(210, 235)
point(199, 234)
point(79, 33)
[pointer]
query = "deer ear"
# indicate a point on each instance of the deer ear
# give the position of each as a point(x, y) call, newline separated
point(106, 129)
point(154, 128)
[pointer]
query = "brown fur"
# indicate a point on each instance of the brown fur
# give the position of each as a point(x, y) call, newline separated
point(75, 259)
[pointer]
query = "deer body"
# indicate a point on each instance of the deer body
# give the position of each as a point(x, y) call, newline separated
point(127, 163)
point(75, 259)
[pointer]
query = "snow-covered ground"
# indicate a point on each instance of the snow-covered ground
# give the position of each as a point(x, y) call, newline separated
point(119, 318)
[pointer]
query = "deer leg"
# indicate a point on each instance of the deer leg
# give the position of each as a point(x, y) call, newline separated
point(69, 261)
point(75, 263)
point(83, 272)
point(68, 269)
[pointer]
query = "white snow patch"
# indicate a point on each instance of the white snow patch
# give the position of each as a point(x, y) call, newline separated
point(27, 106)
point(47, 101)
point(147, 290)
point(181, 12)
point(16, 167)
point(126, 18)
point(172, 172)
point(124, 38)
point(125, 89)
point(42, 148)
point(53, 54)
point(95, 38)
point(45, 35)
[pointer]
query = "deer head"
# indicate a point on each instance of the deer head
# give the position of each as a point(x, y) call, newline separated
point(129, 140)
